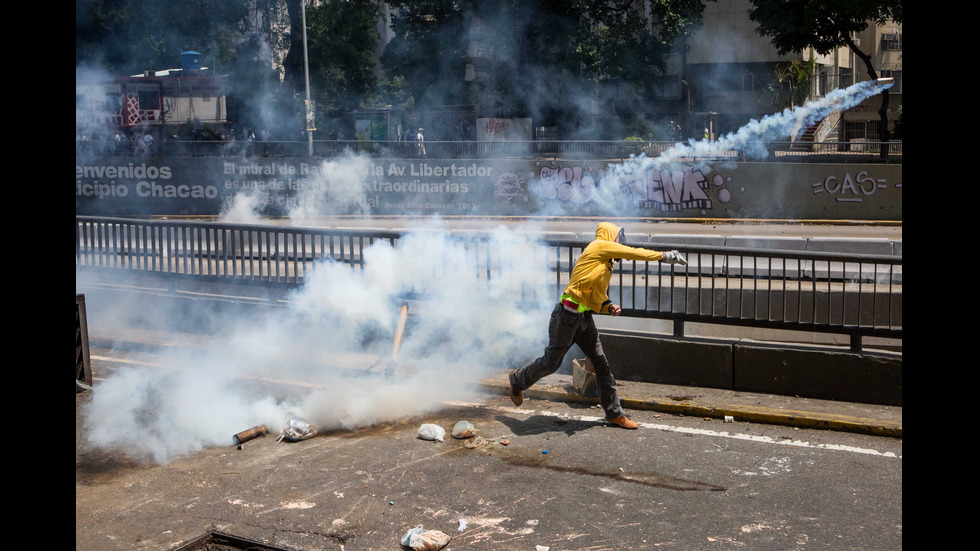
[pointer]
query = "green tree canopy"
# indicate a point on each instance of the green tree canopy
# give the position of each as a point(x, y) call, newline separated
point(824, 25)
point(131, 37)
point(537, 58)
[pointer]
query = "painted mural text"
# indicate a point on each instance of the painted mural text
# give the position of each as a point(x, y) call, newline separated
point(850, 188)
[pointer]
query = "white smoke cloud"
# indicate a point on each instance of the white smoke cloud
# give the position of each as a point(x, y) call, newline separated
point(335, 187)
point(244, 208)
point(324, 355)
point(339, 185)
point(751, 139)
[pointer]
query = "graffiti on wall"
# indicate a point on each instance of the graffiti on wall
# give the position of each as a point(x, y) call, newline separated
point(677, 189)
point(164, 185)
point(495, 126)
point(852, 188)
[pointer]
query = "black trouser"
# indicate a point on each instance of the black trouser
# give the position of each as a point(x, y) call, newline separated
point(565, 329)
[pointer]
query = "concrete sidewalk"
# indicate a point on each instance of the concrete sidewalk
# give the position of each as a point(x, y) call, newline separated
point(871, 419)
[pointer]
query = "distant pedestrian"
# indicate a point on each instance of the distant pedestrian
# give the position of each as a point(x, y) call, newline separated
point(420, 144)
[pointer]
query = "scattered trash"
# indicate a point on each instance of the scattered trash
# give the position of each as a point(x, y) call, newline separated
point(298, 429)
point(729, 419)
point(429, 431)
point(541, 548)
point(544, 451)
point(246, 435)
point(583, 378)
point(477, 442)
point(462, 525)
point(464, 429)
point(504, 442)
point(420, 539)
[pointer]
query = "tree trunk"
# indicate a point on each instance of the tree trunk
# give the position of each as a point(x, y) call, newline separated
point(883, 134)
point(293, 62)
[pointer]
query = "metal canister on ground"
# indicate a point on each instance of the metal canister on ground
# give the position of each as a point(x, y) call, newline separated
point(246, 435)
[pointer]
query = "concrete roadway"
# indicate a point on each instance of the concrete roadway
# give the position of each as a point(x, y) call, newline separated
point(548, 475)
point(781, 473)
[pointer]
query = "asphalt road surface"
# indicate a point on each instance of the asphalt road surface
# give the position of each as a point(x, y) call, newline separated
point(548, 475)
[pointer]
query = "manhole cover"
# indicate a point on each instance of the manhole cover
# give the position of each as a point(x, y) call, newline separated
point(216, 541)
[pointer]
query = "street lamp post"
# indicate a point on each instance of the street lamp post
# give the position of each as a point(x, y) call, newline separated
point(306, 73)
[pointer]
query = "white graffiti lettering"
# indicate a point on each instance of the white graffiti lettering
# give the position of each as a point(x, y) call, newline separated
point(570, 183)
point(672, 190)
point(850, 188)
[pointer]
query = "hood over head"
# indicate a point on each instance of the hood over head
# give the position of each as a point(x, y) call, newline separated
point(607, 231)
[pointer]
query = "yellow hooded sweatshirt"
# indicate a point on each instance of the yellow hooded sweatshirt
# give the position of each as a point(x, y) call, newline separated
point(589, 281)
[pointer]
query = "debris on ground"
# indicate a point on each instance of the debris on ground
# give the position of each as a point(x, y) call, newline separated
point(464, 429)
point(477, 442)
point(249, 434)
point(420, 539)
point(583, 378)
point(428, 431)
point(297, 429)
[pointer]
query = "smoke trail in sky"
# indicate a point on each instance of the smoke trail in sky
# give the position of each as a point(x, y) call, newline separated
point(751, 139)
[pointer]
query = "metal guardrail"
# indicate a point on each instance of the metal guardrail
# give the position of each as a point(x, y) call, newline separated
point(853, 151)
point(851, 294)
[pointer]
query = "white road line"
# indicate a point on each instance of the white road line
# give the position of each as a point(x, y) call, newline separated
point(701, 432)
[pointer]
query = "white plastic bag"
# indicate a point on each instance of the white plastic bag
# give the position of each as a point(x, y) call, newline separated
point(420, 539)
point(299, 429)
point(464, 429)
point(429, 431)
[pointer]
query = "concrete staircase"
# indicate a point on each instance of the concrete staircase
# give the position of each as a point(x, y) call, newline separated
point(804, 141)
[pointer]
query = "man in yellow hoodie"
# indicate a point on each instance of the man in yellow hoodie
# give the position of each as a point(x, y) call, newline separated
point(572, 323)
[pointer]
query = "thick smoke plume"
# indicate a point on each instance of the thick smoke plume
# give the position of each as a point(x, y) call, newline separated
point(324, 357)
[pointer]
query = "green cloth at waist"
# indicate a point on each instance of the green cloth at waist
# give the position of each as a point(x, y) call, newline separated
point(579, 307)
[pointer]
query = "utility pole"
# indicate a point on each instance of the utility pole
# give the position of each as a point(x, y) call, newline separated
point(306, 72)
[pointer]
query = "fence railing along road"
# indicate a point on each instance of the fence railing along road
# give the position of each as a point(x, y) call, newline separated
point(855, 151)
point(838, 293)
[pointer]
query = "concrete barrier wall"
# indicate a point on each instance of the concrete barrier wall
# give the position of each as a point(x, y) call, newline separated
point(795, 370)
point(127, 186)
point(812, 371)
